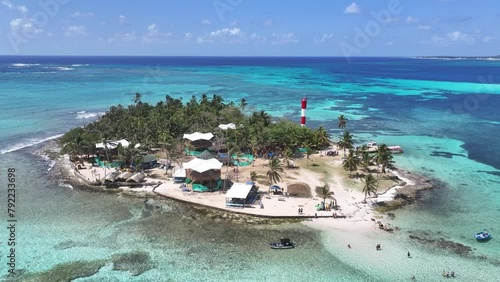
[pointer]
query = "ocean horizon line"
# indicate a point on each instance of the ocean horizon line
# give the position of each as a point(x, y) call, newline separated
point(244, 56)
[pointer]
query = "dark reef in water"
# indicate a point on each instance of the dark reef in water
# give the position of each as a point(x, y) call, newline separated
point(441, 243)
point(65, 272)
point(134, 262)
point(447, 155)
point(496, 173)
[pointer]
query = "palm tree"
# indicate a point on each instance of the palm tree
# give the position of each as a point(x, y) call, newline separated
point(324, 192)
point(275, 167)
point(137, 98)
point(366, 159)
point(287, 155)
point(346, 141)
point(309, 151)
point(253, 175)
point(232, 149)
point(129, 155)
point(342, 121)
point(322, 138)
point(351, 162)
point(370, 186)
point(71, 148)
point(384, 159)
point(243, 104)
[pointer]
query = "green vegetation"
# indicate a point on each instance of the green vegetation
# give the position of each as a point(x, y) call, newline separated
point(351, 162)
point(324, 192)
point(342, 122)
point(163, 125)
point(370, 186)
point(275, 167)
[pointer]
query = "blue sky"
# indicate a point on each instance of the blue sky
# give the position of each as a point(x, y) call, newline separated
point(250, 27)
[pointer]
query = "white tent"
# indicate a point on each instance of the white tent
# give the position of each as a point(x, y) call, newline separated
point(200, 165)
point(198, 136)
point(239, 191)
point(227, 126)
point(113, 144)
point(181, 173)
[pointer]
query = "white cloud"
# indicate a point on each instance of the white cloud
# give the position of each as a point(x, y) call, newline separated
point(352, 9)
point(235, 35)
point(23, 9)
point(75, 30)
point(7, 4)
point(458, 36)
point(188, 35)
point(284, 38)
point(424, 27)
point(24, 27)
point(226, 31)
point(410, 20)
point(389, 43)
point(122, 19)
point(454, 37)
point(154, 34)
point(80, 14)
point(234, 23)
point(129, 37)
point(268, 22)
point(391, 19)
point(488, 39)
point(224, 35)
point(324, 37)
point(206, 22)
point(153, 29)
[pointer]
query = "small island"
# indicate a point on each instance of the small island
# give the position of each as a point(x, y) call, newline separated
point(232, 161)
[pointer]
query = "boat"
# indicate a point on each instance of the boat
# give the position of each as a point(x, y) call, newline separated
point(282, 244)
point(395, 149)
point(373, 147)
point(482, 236)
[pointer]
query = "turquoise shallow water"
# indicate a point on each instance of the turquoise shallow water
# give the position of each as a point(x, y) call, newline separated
point(438, 111)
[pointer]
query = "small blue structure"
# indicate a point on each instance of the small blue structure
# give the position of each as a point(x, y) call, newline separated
point(482, 236)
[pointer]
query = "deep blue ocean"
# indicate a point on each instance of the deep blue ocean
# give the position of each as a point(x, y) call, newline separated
point(444, 113)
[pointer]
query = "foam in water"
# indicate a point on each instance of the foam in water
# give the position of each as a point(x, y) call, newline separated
point(51, 163)
point(27, 143)
point(21, 65)
point(66, 185)
point(87, 115)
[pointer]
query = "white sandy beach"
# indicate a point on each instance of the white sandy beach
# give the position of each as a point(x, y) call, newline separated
point(358, 214)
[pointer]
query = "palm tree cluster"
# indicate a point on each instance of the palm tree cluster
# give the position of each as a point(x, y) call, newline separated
point(362, 157)
point(163, 125)
point(382, 158)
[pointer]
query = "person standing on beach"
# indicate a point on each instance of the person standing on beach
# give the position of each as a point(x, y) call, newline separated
point(409, 254)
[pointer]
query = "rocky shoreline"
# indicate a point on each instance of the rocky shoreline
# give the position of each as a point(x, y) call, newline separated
point(406, 193)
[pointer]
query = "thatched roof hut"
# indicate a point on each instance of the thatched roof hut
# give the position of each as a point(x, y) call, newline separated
point(138, 177)
point(203, 170)
point(112, 176)
point(199, 140)
point(124, 175)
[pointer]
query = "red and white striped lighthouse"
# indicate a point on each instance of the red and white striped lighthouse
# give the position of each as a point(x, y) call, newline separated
point(303, 112)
